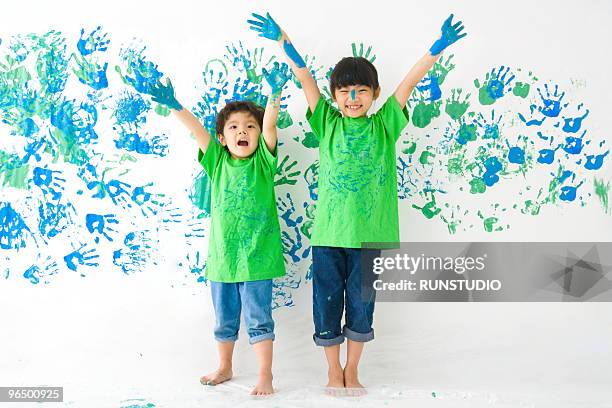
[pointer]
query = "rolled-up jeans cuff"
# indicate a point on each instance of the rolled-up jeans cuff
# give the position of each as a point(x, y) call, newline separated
point(227, 339)
point(328, 342)
point(261, 337)
point(356, 336)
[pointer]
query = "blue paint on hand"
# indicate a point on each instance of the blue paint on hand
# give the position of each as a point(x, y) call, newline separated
point(164, 94)
point(451, 33)
point(293, 54)
point(265, 26)
point(277, 77)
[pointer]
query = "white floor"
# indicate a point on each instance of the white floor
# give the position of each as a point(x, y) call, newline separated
point(136, 345)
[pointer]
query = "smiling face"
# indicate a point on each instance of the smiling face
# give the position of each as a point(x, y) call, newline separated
point(354, 101)
point(240, 134)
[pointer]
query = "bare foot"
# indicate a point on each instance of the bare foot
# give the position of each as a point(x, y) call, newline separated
point(264, 384)
point(221, 375)
point(335, 383)
point(352, 384)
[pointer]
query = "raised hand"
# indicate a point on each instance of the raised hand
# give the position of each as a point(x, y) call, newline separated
point(277, 77)
point(265, 26)
point(164, 94)
point(451, 33)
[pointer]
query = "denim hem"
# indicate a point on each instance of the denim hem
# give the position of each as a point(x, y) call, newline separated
point(356, 336)
point(261, 337)
point(227, 339)
point(328, 342)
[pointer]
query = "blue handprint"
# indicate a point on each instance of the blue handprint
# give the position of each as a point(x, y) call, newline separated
point(265, 26)
point(117, 192)
point(95, 41)
point(495, 85)
point(148, 202)
point(551, 103)
point(48, 183)
point(450, 34)
point(287, 209)
point(81, 257)
point(35, 272)
point(100, 224)
point(277, 77)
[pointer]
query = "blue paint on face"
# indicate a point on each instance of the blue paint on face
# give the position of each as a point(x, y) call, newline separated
point(353, 94)
point(594, 162)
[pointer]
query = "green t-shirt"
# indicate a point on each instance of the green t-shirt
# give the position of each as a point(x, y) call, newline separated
point(245, 240)
point(357, 175)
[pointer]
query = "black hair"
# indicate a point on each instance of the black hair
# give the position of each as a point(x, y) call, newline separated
point(239, 106)
point(353, 71)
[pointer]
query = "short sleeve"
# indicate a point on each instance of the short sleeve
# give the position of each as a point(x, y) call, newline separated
point(323, 118)
point(211, 157)
point(393, 117)
point(268, 158)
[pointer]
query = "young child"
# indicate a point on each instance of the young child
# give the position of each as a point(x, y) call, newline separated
point(245, 250)
point(357, 201)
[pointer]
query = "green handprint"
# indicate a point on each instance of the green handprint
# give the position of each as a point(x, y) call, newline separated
point(455, 106)
point(361, 54)
point(286, 176)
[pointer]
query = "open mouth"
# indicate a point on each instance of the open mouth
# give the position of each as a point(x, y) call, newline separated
point(353, 107)
point(243, 143)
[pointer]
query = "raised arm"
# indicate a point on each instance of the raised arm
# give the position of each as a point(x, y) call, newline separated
point(276, 78)
point(451, 33)
point(268, 28)
point(164, 94)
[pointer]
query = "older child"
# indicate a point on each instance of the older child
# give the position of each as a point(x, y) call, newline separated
point(245, 251)
point(357, 205)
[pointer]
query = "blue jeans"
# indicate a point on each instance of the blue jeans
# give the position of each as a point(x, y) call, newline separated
point(255, 298)
point(338, 278)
